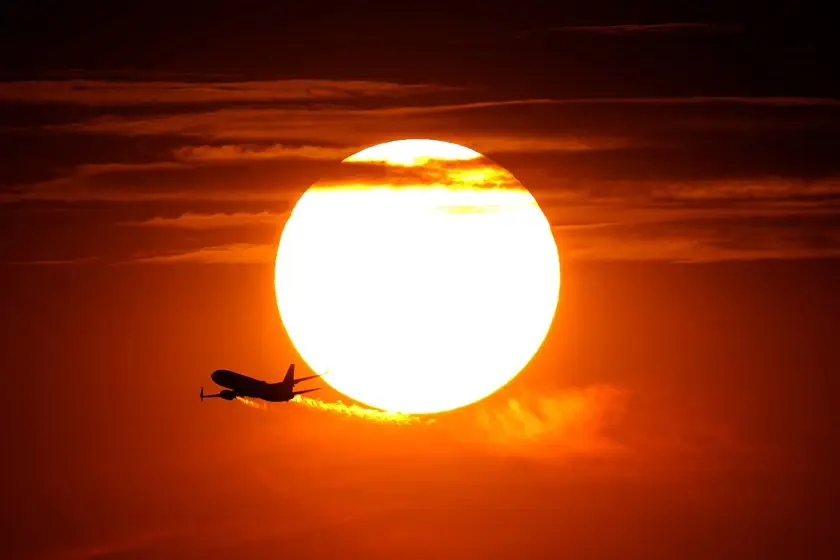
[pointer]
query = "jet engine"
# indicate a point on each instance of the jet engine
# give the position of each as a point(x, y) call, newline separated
point(227, 395)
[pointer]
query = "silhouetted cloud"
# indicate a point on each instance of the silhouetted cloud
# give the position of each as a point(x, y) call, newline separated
point(704, 100)
point(233, 253)
point(710, 240)
point(514, 126)
point(164, 181)
point(105, 92)
point(489, 143)
point(244, 152)
point(659, 28)
point(196, 221)
point(336, 132)
point(626, 178)
point(53, 262)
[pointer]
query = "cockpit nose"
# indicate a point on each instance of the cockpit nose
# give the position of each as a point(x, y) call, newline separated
point(219, 375)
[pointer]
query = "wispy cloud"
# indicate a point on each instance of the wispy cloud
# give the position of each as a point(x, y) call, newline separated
point(696, 221)
point(759, 192)
point(571, 422)
point(490, 143)
point(699, 241)
point(257, 158)
point(233, 253)
point(347, 127)
point(145, 183)
point(658, 28)
point(343, 127)
point(197, 221)
point(246, 152)
point(54, 262)
point(705, 100)
point(105, 92)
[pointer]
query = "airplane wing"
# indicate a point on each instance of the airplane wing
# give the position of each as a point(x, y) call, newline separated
point(305, 391)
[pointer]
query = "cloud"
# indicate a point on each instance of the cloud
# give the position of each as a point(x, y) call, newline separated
point(654, 220)
point(53, 262)
point(758, 193)
point(705, 100)
point(110, 93)
point(305, 133)
point(197, 221)
point(704, 240)
point(776, 189)
point(271, 154)
point(334, 131)
point(167, 181)
point(489, 143)
point(233, 253)
point(695, 221)
point(246, 152)
point(571, 422)
point(650, 28)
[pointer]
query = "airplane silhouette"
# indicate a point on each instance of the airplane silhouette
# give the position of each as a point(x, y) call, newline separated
point(238, 385)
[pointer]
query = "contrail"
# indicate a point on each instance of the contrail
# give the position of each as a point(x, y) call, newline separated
point(358, 411)
point(252, 403)
point(338, 407)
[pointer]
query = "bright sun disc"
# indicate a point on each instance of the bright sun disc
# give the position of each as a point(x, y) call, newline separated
point(423, 276)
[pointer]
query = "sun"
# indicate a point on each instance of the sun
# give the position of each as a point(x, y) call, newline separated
point(422, 276)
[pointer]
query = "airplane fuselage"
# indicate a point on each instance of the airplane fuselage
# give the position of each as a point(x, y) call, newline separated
point(239, 385)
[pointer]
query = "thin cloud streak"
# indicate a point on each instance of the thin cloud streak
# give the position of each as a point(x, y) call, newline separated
point(498, 143)
point(350, 127)
point(700, 242)
point(71, 189)
point(197, 221)
point(241, 152)
point(114, 93)
point(233, 253)
point(649, 28)
point(53, 262)
point(333, 126)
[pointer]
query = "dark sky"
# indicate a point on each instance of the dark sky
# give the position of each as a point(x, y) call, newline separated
point(682, 406)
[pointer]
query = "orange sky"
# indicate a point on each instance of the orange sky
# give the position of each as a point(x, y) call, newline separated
point(647, 412)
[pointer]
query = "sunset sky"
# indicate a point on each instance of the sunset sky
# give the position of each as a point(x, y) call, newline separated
point(681, 406)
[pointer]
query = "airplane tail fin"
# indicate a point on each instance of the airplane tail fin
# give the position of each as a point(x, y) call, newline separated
point(290, 375)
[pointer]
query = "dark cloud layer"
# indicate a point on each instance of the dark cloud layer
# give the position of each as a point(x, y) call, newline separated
point(110, 93)
point(631, 176)
point(629, 129)
point(648, 28)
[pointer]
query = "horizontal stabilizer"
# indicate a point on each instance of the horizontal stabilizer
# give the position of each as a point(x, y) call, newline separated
point(296, 393)
point(296, 381)
point(203, 396)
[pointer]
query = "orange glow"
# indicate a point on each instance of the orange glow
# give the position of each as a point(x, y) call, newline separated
point(423, 286)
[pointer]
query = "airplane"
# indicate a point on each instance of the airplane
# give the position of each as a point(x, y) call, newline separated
point(238, 385)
